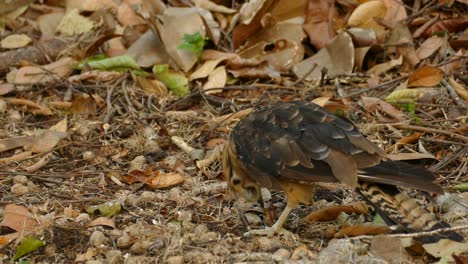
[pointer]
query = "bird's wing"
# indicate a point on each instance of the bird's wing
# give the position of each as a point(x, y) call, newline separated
point(303, 142)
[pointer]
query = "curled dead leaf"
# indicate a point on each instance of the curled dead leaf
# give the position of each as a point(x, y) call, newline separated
point(331, 213)
point(359, 230)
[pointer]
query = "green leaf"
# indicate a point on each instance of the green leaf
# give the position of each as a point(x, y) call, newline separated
point(101, 62)
point(28, 244)
point(461, 187)
point(105, 209)
point(194, 43)
point(379, 220)
point(175, 82)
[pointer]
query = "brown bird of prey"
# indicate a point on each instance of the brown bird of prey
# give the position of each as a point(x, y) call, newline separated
point(289, 146)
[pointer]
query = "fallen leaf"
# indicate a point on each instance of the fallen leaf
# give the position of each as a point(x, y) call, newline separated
point(47, 24)
point(217, 79)
point(337, 58)
point(176, 82)
point(16, 142)
point(105, 209)
point(154, 179)
point(395, 12)
point(410, 156)
point(365, 14)
point(280, 45)
point(390, 249)
point(45, 74)
point(27, 245)
point(373, 105)
point(172, 26)
point(148, 50)
point(429, 46)
point(83, 104)
point(73, 23)
point(358, 230)
point(411, 94)
point(47, 140)
point(445, 247)
point(205, 69)
point(19, 218)
point(426, 76)
point(155, 87)
point(208, 5)
point(385, 67)
point(30, 106)
point(102, 221)
point(95, 76)
point(15, 41)
point(462, 91)
point(331, 213)
point(317, 24)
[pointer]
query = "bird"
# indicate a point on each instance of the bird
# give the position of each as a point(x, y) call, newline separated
point(291, 146)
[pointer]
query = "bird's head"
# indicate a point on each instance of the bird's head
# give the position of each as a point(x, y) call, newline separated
point(237, 179)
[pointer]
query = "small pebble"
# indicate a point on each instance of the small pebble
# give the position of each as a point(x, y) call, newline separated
point(184, 216)
point(268, 244)
point(125, 241)
point(20, 179)
point(201, 229)
point(137, 162)
point(88, 155)
point(19, 189)
point(140, 247)
point(114, 257)
point(98, 239)
point(281, 255)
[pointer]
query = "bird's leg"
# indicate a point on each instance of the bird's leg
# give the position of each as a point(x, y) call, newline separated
point(277, 227)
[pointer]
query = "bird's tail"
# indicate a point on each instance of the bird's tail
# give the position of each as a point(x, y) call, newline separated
point(396, 207)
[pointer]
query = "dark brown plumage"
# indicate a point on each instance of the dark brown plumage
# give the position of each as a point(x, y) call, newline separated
point(289, 146)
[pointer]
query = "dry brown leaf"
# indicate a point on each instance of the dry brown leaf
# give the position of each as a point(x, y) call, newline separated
point(373, 105)
point(46, 141)
point(102, 221)
point(410, 156)
point(337, 58)
point(445, 247)
point(30, 106)
point(358, 230)
point(148, 50)
point(127, 17)
point(172, 26)
point(331, 213)
point(47, 24)
point(214, 142)
point(447, 25)
point(251, 14)
point(462, 91)
point(429, 46)
point(73, 23)
point(205, 69)
point(83, 105)
point(217, 79)
point(154, 179)
point(331, 105)
point(234, 61)
point(6, 88)
point(95, 76)
point(61, 126)
point(389, 248)
point(385, 67)
point(15, 41)
point(285, 46)
point(155, 87)
point(409, 139)
point(18, 218)
point(395, 12)
point(12, 143)
point(426, 76)
point(364, 16)
point(50, 73)
point(262, 71)
point(317, 22)
point(208, 5)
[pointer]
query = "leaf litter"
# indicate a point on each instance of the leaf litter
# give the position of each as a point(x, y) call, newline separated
point(113, 118)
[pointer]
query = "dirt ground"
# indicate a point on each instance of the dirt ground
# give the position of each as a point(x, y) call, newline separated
point(196, 221)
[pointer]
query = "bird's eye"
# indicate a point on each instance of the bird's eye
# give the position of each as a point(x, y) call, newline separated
point(236, 181)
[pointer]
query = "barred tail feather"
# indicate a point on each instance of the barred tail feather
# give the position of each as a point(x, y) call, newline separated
point(398, 208)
